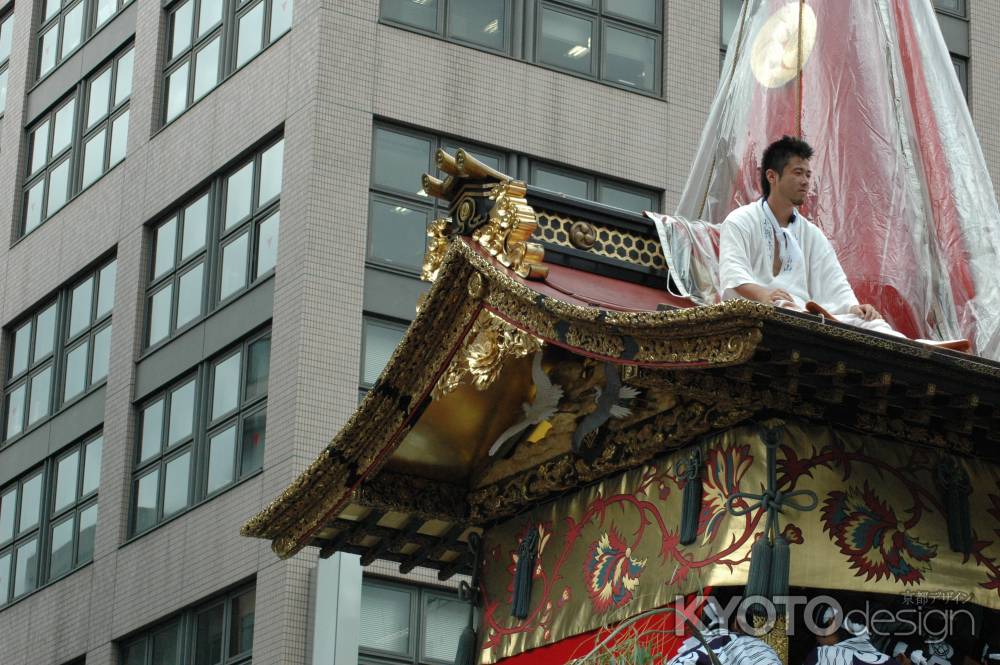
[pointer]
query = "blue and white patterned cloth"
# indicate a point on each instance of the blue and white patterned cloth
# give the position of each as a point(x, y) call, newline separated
point(730, 648)
point(857, 650)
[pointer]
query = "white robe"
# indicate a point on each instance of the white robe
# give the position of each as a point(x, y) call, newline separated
point(809, 271)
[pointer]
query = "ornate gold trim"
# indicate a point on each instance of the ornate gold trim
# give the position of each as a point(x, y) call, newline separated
point(511, 223)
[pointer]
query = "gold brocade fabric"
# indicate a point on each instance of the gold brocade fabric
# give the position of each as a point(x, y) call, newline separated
point(611, 550)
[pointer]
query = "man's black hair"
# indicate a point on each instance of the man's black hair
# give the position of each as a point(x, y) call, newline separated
point(778, 154)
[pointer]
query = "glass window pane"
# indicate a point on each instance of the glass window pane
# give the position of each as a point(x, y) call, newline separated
point(251, 32)
point(221, 459)
point(51, 7)
point(26, 567)
point(206, 68)
point(22, 344)
point(152, 430)
point(159, 314)
point(270, 172)
point(955, 6)
point(418, 13)
point(31, 503)
point(385, 619)
point(177, 91)
point(189, 295)
point(267, 247)
point(181, 28)
point(444, 621)
point(281, 18)
point(82, 299)
point(637, 10)
point(7, 507)
point(165, 650)
point(50, 43)
point(730, 15)
point(209, 15)
point(45, 333)
point(72, 29)
point(62, 134)
point(76, 371)
point(400, 159)
point(3, 90)
point(33, 206)
point(105, 10)
point(93, 158)
point(380, 340)
point(39, 395)
point(175, 487)
point(67, 474)
point(39, 146)
point(58, 188)
point(99, 97)
point(625, 199)
point(208, 636)
point(557, 181)
point(106, 288)
point(92, 466)
point(145, 500)
point(226, 386)
point(181, 413)
point(61, 560)
point(397, 234)
point(630, 59)
point(253, 442)
point(566, 41)
point(123, 81)
point(239, 187)
point(195, 225)
point(234, 267)
point(482, 22)
point(15, 410)
point(258, 368)
point(135, 653)
point(241, 623)
point(119, 139)
point(4, 576)
point(102, 355)
point(85, 535)
point(6, 29)
point(166, 245)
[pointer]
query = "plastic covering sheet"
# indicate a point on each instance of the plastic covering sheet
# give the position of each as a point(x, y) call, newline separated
point(900, 185)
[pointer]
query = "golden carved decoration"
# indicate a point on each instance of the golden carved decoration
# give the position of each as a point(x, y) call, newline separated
point(437, 247)
point(784, 44)
point(582, 235)
point(512, 222)
point(490, 344)
point(476, 287)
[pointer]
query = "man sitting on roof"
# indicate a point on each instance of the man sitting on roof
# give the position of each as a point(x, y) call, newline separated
point(772, 254)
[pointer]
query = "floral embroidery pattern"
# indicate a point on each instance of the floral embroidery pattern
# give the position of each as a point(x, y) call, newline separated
point(612, 574)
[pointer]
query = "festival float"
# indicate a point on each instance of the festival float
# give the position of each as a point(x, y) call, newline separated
point(579, 423)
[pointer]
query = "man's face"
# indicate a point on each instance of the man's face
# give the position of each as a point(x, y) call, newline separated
point(793, 183)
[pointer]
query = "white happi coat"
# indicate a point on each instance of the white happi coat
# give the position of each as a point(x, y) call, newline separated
point(809, 266)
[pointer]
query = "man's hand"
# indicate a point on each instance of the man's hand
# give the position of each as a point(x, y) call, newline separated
point(866, 312)
point(778, 295)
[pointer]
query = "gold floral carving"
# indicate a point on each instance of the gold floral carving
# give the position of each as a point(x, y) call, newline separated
point(437, 246)
point(490, 344)
point(512, 222)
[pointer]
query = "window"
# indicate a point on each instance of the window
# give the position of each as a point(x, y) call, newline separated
point(951, 6)
point(97, 127)
point(50, 509)
point(210, 39)
point(593, 188)
point(409, 624)
point(615, 41)
point(201, 434)
point(6, 32)
point(219, 631)
point(228, 230)
point(729, 15)
point(59, 351)
point(379, 339)
point(66, 24)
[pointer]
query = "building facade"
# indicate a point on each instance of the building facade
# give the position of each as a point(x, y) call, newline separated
point(215, 232)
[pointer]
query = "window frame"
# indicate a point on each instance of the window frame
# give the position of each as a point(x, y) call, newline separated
point(227, 31)
point(6, 23)
point(210, 255)
point(88, 28)
point(62, 345)
point(197, 443)
point(49, 517)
